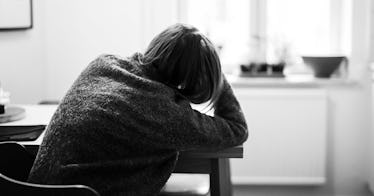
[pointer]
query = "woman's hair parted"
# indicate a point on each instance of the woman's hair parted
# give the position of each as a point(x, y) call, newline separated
point(187, 61)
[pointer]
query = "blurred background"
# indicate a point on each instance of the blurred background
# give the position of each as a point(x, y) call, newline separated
point(309, 135)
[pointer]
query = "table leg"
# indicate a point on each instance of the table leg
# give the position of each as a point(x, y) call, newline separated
point(220, 177)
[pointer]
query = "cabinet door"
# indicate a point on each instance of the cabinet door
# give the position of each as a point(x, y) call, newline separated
point(287, 137)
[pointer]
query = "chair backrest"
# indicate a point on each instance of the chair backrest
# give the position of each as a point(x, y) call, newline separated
point(15, 165)
point(15, 161)
point(10, 187)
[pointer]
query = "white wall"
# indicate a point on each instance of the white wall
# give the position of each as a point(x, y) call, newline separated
point(22, 60)
point(157, 15)
point(42, 63)
point(78, 31)
point(348, 140)
point(351, 121)
point(371, 145)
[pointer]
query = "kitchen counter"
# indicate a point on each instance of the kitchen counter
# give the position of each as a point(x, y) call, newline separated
point(295, 81)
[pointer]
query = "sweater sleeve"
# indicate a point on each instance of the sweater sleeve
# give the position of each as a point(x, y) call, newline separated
point(184, 128)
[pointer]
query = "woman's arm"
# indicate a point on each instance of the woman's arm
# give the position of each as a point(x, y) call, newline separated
point(183, 128)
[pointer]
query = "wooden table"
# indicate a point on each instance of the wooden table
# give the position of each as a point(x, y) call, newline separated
point(212, 162)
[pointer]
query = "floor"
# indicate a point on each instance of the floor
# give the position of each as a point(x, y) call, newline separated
point(289, 191)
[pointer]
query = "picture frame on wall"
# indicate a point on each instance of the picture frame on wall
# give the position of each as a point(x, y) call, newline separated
point(16, 15)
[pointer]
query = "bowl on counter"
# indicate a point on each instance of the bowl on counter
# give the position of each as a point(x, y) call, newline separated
point(324, 66)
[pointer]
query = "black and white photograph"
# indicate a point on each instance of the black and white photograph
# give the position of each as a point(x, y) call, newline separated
point(187, 97)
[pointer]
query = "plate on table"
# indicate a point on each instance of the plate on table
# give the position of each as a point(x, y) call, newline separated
point(12, 113)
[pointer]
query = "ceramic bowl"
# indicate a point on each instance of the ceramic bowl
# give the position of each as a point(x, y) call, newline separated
point(323, 66)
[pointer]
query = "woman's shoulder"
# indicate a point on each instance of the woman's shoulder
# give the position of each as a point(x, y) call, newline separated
point(112, 62)
point(131, 70)
point(110, 58)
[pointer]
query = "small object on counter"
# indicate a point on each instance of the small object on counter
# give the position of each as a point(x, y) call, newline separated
point(4, 99)
point(325, 66)
point(262, 70)
point(2, 109)
point(5, 115)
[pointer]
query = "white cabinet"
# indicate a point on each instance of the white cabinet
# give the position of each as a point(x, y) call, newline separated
point(287, 137)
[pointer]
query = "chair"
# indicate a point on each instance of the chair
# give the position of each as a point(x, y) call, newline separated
point(15, 161)
point(15, 165)
point(9, 186)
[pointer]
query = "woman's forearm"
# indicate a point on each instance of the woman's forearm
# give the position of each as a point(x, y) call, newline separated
point(228, 107)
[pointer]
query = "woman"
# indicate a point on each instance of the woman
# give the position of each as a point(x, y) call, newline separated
point(121, 125)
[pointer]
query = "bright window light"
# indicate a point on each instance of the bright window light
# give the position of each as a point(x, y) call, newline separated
point(227, 25)
point(271, 30)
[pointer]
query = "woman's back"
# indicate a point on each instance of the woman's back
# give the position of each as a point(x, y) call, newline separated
point(93, 138)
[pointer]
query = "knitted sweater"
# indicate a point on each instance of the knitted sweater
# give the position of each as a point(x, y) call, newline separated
point(119, 130)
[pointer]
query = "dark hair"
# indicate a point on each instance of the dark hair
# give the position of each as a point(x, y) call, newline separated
point(186, 61)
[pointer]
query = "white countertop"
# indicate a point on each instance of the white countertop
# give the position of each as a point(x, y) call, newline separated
point(296, 81)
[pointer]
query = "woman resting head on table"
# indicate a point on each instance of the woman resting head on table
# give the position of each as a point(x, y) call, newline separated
point(120, 127)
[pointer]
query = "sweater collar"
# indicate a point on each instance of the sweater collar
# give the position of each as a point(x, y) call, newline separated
point(148, 70)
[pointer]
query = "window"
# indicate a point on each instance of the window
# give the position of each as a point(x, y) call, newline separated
point(225, 22)
point(305, 27)
point(271, 30)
